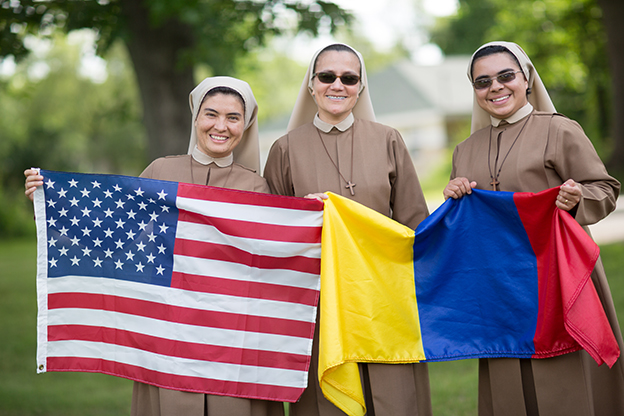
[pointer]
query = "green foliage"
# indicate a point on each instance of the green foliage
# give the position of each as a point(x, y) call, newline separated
point(65, 122)
point(463, 33)
point(213, 32)
point(21, 18)
point(565, 40)
point(275, 80)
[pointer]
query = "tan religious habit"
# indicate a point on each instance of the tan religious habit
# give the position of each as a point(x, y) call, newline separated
point(375, 158)
point(540, 151)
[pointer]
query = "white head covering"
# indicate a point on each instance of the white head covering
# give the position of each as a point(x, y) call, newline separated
point(305, 107)
point(539, 98)
point(247, 152)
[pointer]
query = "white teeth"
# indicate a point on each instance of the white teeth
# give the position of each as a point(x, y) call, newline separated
point(500, 99)
point(334, 97)
point(218, 138)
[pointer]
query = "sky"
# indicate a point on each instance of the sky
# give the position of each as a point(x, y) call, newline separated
point(384, 21)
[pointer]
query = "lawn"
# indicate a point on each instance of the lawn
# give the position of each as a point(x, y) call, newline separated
point(25, 393)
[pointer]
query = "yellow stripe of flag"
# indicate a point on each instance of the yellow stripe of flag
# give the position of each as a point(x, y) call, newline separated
point(368, 299)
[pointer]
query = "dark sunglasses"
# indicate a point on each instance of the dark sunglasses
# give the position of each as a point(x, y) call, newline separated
point(329, 78)
point(502, 78)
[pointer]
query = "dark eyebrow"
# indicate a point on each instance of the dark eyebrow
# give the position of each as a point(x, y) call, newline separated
point(331, 71)
point(206, 109)
point(499, 72)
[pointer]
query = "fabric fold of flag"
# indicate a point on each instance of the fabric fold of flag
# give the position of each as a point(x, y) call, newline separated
point(493, 274)
point(182, 286)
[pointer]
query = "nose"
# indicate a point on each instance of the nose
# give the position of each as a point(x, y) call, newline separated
point(220, 124)
point(337, 84)
point(496, 85)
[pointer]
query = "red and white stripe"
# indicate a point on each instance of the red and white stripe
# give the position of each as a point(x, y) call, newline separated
point(238, 319)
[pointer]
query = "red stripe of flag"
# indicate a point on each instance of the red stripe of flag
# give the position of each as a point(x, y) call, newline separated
point(210, 193)
point(214, 251)
point(255, 230)
point(535, 212)
point(256, 290)
point(188, 316)
point(172, 381)
point(181, 349)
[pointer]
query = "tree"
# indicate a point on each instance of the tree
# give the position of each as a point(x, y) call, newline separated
point(165, 40)
point(567, 42)
point(613, 14)
point(62, 120)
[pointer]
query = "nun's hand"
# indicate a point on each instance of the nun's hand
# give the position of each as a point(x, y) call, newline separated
point(570, 195)
point(319, 196)
point(33, 180)
point(458, 187)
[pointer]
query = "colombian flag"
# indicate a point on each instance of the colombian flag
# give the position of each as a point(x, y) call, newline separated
point(493, 274)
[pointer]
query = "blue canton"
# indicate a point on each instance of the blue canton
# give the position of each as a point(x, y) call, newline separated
point(110, 226)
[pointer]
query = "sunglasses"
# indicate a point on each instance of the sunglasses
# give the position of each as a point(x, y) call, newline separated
point(502, 78)
point(329, 78)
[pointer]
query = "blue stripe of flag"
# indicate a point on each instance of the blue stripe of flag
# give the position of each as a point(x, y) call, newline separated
point(476, 250)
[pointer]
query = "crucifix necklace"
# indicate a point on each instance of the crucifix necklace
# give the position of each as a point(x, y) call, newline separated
point(494, 176)
point(350, 185)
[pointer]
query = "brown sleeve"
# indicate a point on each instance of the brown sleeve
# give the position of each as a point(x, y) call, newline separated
point(277, 169)
point(575, 158)
point(406, 198)
point(453, 166)
point(148, 172)
point(262, 186)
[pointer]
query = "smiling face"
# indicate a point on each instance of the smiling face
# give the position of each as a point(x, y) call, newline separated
point(335, 101)
point(500, 100)
point(220, 124)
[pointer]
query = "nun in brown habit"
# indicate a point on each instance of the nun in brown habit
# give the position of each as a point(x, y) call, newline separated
point(520, 144)
point(223, 152)
point(334, 144)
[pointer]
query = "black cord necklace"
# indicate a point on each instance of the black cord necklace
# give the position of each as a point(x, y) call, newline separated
point(350, 185)
point(494, 177)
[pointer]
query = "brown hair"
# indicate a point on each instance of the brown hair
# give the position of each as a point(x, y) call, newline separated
point(337, 47)
point(224, 91)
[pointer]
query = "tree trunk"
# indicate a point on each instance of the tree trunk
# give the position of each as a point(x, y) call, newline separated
point(164, 82)
point(613, 16)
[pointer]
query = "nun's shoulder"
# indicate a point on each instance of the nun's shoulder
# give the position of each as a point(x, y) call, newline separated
point(300, 133)
point(376, 129)
point(245, 169)
point(557, 121)
point(163, 164)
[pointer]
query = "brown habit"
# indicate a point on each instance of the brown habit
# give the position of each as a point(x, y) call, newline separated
point(550, 150)
point(150, 400)
point(386, 181)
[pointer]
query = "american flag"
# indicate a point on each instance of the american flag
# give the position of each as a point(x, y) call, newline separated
point(182, 286)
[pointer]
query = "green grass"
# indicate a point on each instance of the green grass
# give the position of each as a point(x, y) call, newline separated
point(613, 261)
point(25, 393)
